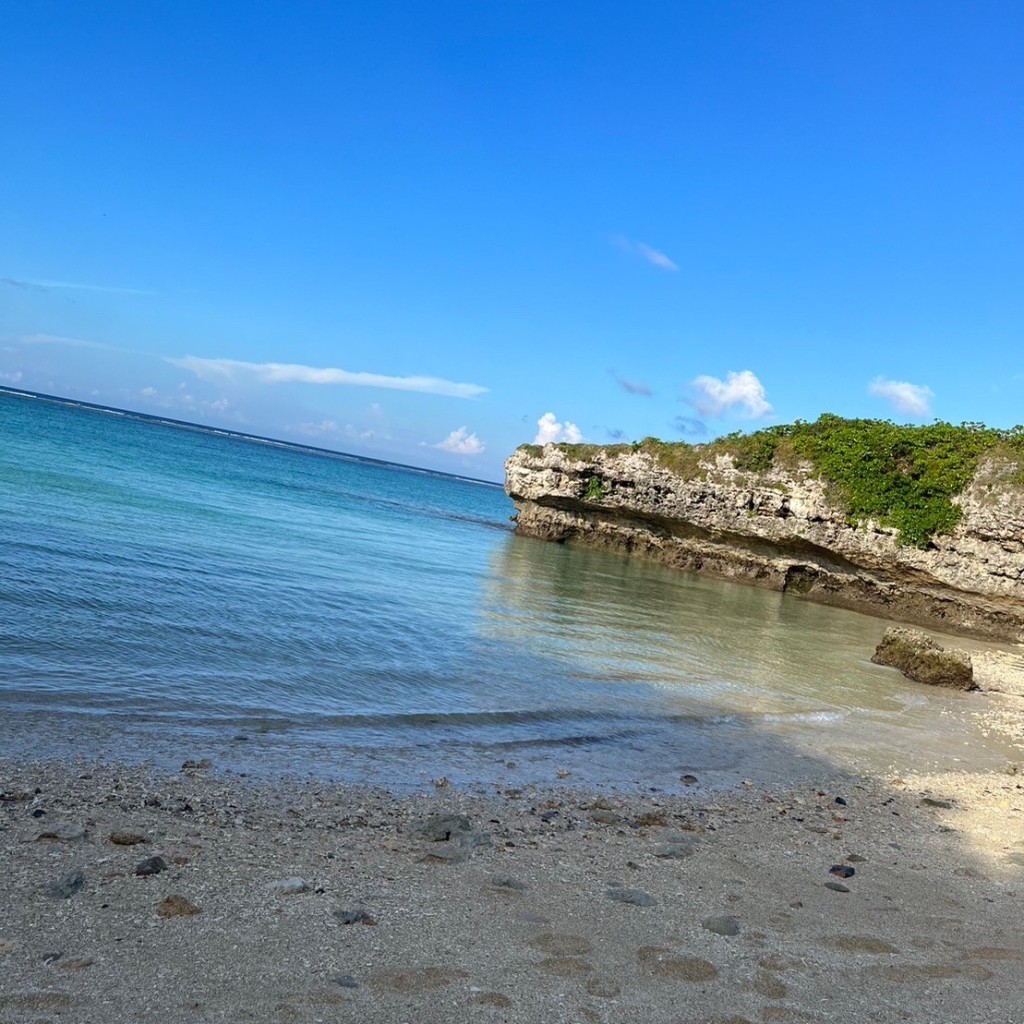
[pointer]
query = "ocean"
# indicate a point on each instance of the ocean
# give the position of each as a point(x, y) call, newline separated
point(171, 591)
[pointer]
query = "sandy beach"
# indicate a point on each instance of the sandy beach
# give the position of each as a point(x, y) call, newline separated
point(202, 896)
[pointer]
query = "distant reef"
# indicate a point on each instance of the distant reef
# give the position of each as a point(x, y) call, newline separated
point(921, 524)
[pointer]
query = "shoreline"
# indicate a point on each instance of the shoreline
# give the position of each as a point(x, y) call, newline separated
point(556, 904)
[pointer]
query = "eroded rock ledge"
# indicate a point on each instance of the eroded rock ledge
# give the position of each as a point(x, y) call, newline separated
point(780, 530)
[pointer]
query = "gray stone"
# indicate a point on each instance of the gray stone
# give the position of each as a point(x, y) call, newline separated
point(605, 817)
point(442, 828)
point(725, 925)
point(354, 917)
point(151, 866)
point(677, 849)
point(635, 897)
point(66, 886)
point(346, 981)
point(289, 886)
point(508, 882)
point(460, 847)
point(65, 831)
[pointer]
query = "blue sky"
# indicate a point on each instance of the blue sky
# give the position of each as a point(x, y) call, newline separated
point(431, 232)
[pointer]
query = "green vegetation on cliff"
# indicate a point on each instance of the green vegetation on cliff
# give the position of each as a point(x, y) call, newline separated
point(901, 476)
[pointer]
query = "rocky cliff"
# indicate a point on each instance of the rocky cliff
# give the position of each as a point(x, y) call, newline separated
point(784, 529)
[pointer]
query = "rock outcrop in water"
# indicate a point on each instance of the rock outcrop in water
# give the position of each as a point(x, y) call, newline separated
point(782, 528)
point(920, 658)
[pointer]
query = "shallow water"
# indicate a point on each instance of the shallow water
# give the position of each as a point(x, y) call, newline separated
point(169, 592)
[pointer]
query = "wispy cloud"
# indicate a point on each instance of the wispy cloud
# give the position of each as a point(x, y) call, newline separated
point(551, 431)
point(740, 391)
point(461, 442)
point(634, 387)
point(912, 399)
point(284, 373)
point(46, 286)
point(690, 427)
point(56, 339)
point(653, 256)
point(14, 377)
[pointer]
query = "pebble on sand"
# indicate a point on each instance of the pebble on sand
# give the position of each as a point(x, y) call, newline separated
point(636, 897)
point(354, 917)
point(65, 831)
point(177, 906)
point(726, 925)
point(289, 886)
point(127, 838)
point(442, 827)
point(151, 866)
point(66, 886)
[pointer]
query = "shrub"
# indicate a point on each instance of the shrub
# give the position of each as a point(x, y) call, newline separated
point(901, 476)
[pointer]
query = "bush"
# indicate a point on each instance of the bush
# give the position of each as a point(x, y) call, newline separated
point(901, 476)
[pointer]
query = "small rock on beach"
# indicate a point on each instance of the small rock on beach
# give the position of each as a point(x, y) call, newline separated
point(127, 838)
point(443, 827)
point(289, 886)
point(66, 886)
point(635, 897)
point(726, 925)
point(177, 906)
point(64, 831)
point(151, 866)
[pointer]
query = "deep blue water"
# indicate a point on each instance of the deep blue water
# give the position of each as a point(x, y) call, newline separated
point(166, 592)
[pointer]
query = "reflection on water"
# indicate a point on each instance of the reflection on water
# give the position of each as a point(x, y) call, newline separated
point(787, 670)
point(703, 643)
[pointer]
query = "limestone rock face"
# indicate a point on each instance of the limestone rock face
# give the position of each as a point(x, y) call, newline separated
point(920, 658)
point(780, 529)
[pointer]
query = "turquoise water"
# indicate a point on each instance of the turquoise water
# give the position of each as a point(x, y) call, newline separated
point(170, 592)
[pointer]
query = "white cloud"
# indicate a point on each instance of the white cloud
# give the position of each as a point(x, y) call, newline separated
point(461, 442)
point(912, 399)
point(653, 256)
point(13, 377)
point(741, 391)
point(148, 392)
point(550, 431)
point(283, 373)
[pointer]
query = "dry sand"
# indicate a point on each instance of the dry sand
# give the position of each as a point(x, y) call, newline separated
point(535, 914)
